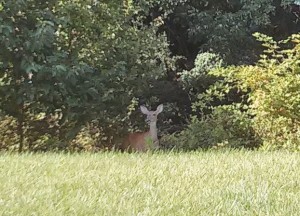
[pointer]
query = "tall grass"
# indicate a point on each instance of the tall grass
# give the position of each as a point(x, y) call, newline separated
point(202, 183)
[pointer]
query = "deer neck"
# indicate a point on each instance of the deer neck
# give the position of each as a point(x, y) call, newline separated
point(153, 131)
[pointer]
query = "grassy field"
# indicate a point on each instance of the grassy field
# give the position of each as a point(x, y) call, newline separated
point(202, 183)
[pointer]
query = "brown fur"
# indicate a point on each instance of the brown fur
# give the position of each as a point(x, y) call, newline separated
point(135, 142)
point(143, 141)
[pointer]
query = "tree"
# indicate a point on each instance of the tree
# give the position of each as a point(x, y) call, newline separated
point(74, 62)
point(194, 26)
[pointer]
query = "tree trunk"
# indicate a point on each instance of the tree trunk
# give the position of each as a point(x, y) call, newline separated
point(21, 129)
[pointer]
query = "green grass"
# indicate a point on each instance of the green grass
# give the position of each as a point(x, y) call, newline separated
point(203, 183)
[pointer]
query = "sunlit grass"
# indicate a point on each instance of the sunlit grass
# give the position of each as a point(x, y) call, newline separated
point(202, 183)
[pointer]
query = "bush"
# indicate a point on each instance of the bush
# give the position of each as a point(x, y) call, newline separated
point(8, 135)
point(226, 126)
point(198, 79)
point(267, 113)
point(273, 87)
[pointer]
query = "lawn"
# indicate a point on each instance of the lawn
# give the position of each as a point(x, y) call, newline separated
point(199, 183)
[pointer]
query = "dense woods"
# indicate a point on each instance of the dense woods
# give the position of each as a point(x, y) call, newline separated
point(73, 73)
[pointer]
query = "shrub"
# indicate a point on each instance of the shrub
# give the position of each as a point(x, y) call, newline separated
point(273, 87)
point(8, 136)
point(198, 79)
point(226, 126)
point(267, 112)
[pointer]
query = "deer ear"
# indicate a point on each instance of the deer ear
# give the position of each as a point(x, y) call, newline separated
point(159, 109)
point(144, 110)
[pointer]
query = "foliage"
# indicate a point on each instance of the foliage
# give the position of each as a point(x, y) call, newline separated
point(8, 137)
point(197, 78)
point(79, 61)
point(273, 87)
point(268, 113)
point(226, 127)
point(73, 73)
point(223, 27)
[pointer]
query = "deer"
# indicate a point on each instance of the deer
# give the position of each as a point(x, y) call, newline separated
point(144, 141)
